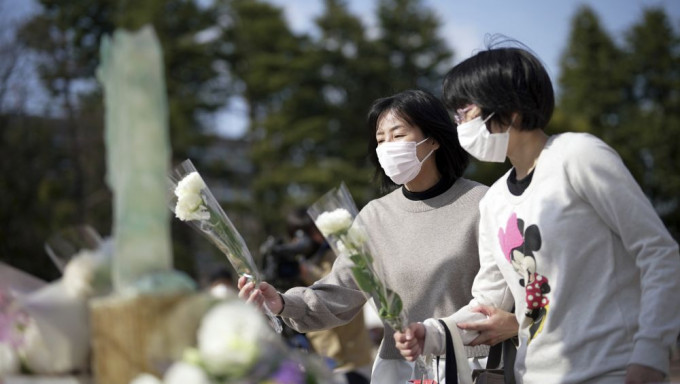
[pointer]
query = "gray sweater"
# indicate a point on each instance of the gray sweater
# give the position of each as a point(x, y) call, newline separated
point(428, 250)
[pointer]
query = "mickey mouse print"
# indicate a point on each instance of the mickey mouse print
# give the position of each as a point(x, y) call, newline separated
point(519, 246)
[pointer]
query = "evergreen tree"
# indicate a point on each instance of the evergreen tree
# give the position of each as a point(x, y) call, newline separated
point(265, 59)
point(654, 110)
point(308, 97)
point(355, 73)
point(592, 80)
point(418, 56)
point(628, 97)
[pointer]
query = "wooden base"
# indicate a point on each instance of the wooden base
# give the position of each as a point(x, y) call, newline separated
point(122, 328)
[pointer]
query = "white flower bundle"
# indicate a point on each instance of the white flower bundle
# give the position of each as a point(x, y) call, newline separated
point(334, 215)
point(193, 203)
point(46, 327)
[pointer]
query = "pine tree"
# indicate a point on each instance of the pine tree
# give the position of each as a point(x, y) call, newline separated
point(591, 80)
point(594, 81)
point(654, 110)
point(418, 56)
point(628, 97)
point(265, 58)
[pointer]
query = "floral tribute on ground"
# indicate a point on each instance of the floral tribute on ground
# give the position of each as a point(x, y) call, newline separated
point(236, 346)
point(193, 203)
point(44, 327)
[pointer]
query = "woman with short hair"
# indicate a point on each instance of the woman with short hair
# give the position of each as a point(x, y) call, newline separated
point(592, 270)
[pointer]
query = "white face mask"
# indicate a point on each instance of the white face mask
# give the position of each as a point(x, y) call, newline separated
point(400, 161)
point(482, 144)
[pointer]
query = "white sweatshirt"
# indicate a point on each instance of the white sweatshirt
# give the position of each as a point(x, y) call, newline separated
point(604, 271)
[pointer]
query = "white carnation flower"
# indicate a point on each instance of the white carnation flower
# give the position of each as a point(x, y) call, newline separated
point(191, 184)
point(334, 222)
point(9, 360)
point(230, 338)
point(190, 207)
point(79, 275)
point(146, 378)
point(183, 373)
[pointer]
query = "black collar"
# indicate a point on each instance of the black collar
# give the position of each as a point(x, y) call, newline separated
point(442, 186)
point(517, 187)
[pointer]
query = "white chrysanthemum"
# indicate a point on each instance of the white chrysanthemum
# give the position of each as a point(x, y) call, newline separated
point(9, 360)
point(146, 378)
point(79, 275)
point(334, 222)
point(190, 207)
point(191, 184)
point(183, 373)
point(230, 338)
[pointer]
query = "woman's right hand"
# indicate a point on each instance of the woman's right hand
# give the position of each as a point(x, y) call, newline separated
point(411, 342)
point(258, 296)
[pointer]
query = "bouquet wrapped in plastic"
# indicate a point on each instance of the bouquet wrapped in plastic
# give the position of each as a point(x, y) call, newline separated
point(44, 327)
point(193, 203)
point(335, 216)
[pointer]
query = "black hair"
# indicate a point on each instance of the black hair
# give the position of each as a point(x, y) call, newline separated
point(502, 80)
point(423, 110)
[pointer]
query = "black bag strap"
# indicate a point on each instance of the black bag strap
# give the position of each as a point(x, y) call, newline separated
point(508, 351)
point(494, 359)
point(451, 368)
point(509, 354)
point(505, 349)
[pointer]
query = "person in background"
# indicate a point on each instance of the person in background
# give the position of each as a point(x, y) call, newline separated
point(592, 270)
point(221, 284)
point(424, 231)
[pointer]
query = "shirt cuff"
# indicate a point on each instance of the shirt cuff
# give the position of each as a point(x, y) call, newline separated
point(435, 338)
point(293, 306)
point(651, 354)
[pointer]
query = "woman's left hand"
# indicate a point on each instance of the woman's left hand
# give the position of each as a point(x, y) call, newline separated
point(500, 325)
point(410, 342)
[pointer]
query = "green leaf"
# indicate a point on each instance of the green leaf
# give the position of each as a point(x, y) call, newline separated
point(364, 279)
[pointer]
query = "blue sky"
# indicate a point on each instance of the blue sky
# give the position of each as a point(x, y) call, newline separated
point(542, 25)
